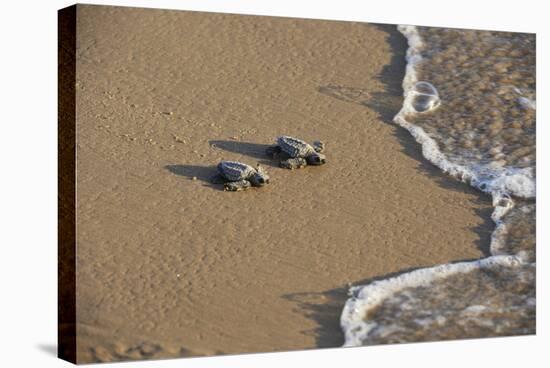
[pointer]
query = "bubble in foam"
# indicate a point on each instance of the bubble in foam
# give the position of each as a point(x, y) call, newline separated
point(424, 97)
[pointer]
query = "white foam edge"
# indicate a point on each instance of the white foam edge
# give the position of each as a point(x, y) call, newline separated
point(353, 320)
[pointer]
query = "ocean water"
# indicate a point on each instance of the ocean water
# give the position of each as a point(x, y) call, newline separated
point(470, 101)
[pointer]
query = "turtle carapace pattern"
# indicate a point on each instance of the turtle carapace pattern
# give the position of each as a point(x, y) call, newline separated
point(295, 153)
point(239, 176)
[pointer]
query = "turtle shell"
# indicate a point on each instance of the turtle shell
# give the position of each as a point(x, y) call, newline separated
point(235, 171)
point(295, 147)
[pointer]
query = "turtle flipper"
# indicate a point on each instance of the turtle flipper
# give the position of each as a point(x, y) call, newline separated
point(235, 186)
point(293, 163)
point(273, 151)
point(319, 146)
point(217, 179)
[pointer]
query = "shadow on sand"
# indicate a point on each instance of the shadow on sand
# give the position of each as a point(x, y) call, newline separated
point(255, 151)
point(325, 307)
point(208, 175)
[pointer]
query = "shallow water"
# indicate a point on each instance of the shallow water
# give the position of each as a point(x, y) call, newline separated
point(470, 102)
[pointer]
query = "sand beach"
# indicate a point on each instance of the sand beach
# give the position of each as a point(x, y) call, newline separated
point(170, 265)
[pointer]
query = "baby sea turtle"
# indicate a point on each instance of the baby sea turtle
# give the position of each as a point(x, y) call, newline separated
point(294, 153)
point(239, 176)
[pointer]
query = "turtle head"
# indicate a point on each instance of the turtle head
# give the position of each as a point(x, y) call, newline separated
point(260, 178)
point(316, 159)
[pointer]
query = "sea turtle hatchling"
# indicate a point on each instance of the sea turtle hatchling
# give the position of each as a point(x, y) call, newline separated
point(240, 176)
point(294, 153)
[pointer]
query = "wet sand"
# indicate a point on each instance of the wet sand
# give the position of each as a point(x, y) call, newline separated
point(170, 266)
